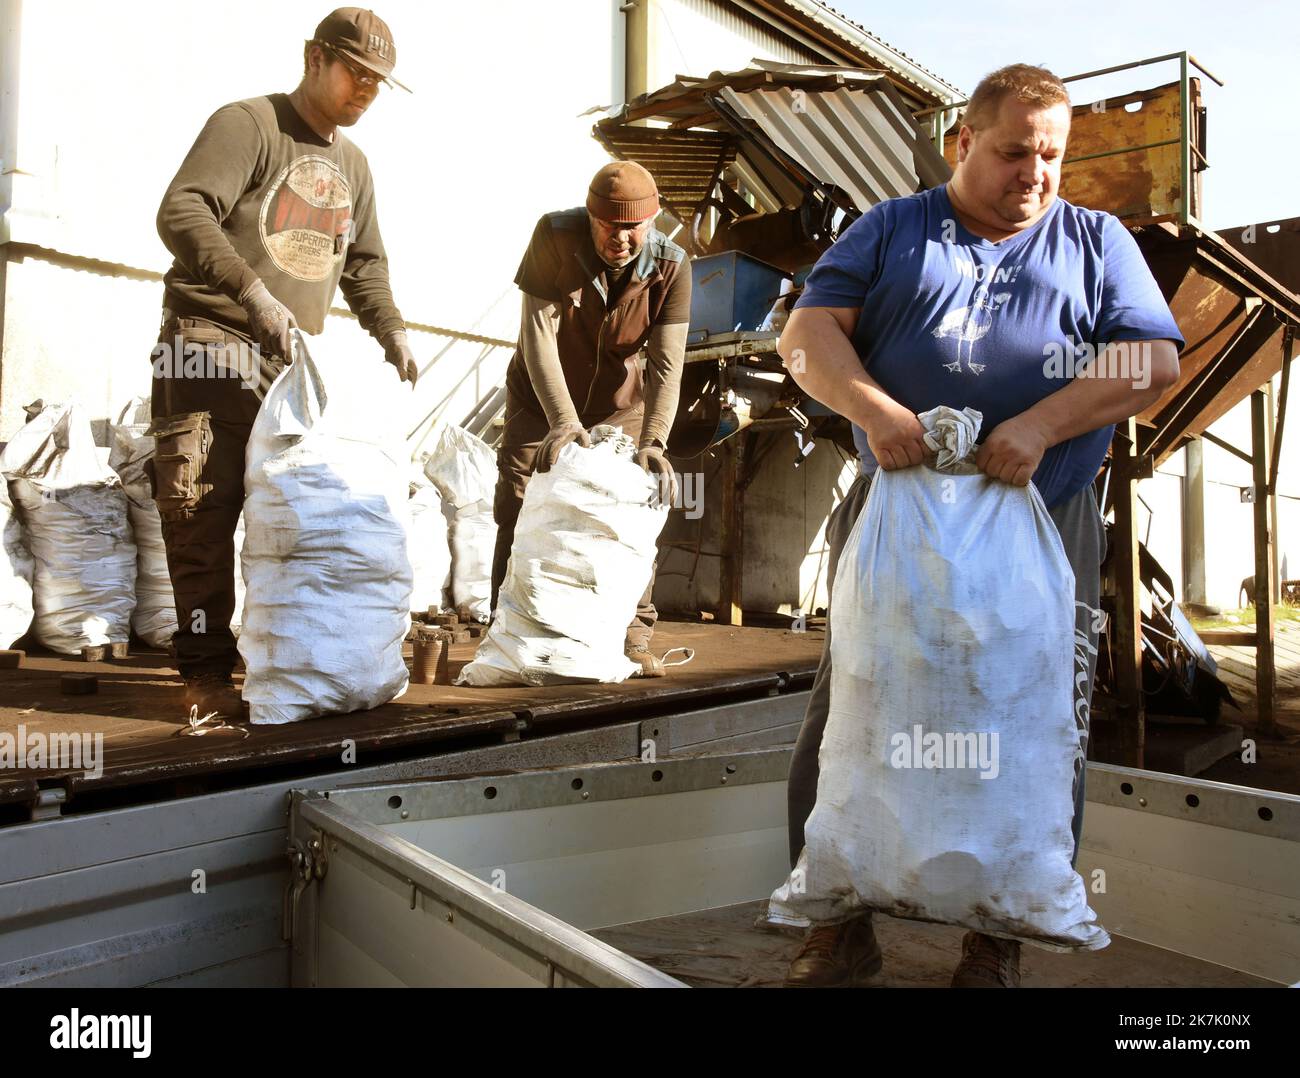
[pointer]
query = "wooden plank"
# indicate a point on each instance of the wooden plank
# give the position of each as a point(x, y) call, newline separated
point(1128, 608)
point(732, 573)
point(138, 710)
point(1265, 672)
point(1241, 637)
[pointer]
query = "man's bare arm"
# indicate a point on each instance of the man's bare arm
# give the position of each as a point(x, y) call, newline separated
point(817, 351)
point(1127, 378)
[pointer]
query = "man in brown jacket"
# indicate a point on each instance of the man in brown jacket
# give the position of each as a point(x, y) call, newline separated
point(271, 211)
point(600, 286)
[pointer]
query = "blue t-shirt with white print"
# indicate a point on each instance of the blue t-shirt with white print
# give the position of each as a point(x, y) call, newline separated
point(951, 318)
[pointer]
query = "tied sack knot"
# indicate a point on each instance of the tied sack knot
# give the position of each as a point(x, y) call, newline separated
point(951, 434)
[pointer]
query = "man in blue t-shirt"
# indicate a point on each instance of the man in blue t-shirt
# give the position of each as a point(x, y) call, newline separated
point(992, 293)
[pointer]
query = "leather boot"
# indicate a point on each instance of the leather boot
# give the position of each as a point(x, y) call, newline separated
point(214, 692)
point(651, 665)
point(987, 962)
point(843, 955)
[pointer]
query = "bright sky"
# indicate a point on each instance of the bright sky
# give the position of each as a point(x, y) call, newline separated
point(1253, 136)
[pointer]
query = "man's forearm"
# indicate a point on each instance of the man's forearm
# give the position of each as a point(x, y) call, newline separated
point(369, 295)
point(538, 340)
point(823, 363)
point(1126, 379)
point(666, 355)
point(208, 184)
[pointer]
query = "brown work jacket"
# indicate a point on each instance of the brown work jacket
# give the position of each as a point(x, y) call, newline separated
point(598, 345)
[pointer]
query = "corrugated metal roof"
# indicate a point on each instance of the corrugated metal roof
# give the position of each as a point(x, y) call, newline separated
point(788, 129)
point(863, 40)
point(861, 141)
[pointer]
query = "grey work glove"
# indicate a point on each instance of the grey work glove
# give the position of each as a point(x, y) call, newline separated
point(270, 320)
point(556, 439)
point(397, 351)
point(655, 464)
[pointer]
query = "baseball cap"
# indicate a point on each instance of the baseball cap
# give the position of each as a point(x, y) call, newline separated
point(362, 36)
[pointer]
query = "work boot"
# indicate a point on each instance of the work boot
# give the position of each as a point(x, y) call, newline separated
point(844, 955)
point(651, 665)
point(987, 962)
point(214, 692)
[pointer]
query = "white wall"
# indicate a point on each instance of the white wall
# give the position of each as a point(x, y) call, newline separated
point(698, 37)
point(1229, 522)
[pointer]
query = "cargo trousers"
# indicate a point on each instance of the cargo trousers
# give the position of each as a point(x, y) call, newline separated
point(1083, 534)
point(521, 438)
point(208, 384)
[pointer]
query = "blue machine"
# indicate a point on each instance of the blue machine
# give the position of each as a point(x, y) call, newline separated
point(731, 291)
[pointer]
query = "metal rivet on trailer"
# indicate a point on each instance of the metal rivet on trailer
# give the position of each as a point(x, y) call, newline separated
point(405, 815)
point(586, 794)
point(1142, 801)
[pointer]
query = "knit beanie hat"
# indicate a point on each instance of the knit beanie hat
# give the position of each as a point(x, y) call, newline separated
point(623, 191)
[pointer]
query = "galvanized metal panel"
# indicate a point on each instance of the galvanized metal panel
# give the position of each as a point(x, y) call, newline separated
point(464, 932)
point(861, 140)
point(835, 143)
point(105, 899)
point(1205, 869)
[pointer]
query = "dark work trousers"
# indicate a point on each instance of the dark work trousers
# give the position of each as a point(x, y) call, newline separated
point(516, 457)
point(203, 411)
point(1084, 537)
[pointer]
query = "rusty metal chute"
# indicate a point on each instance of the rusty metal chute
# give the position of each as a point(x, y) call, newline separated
point(1234, 317)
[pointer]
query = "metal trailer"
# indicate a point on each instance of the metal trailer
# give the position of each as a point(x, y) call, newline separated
point(190, 891)
point(502, 880)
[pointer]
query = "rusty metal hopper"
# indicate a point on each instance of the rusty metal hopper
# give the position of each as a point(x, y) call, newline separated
point(1235, 318)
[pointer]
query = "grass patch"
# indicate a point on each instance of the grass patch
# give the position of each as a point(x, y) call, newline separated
point(1239, 619)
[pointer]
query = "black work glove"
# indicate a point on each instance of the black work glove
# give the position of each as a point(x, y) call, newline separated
point(655, 464)
point(269, 319)
point(556, 439)
point(397, 351)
